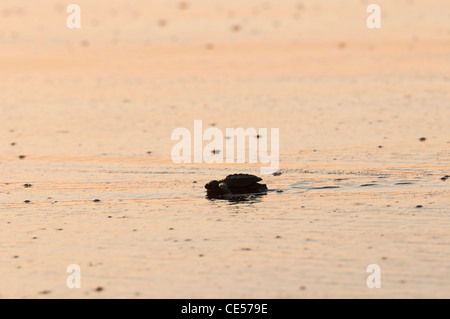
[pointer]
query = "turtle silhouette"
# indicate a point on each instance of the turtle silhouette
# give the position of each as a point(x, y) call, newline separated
point(235, 184)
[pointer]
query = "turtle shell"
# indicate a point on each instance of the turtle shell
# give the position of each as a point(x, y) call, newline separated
point(241, 180)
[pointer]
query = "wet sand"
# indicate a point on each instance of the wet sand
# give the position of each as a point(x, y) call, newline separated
point(85, 107)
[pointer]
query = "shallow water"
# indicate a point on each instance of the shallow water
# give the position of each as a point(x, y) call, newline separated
point(354, 171)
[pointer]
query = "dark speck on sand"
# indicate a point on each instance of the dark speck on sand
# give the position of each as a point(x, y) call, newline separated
point(22, 156)
point(96, 200)
point(236, 28)
point(183, 5)
point(422, 139)
point(445, 178)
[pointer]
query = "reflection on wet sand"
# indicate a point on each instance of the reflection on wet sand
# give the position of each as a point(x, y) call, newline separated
point(232, 198)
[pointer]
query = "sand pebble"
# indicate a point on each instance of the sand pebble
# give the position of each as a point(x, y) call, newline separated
point(183, 5)
point(278, 173)
point(236, 28)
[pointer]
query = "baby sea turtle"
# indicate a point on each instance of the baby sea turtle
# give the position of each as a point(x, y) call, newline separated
point(235, 184)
